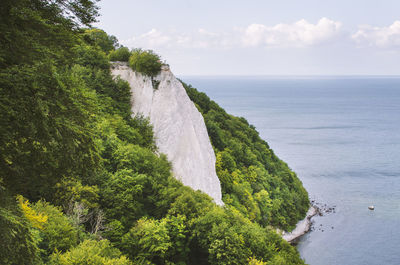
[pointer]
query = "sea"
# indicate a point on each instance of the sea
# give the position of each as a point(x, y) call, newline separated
point(341, 135)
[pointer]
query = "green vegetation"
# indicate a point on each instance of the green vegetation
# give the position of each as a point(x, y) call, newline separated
point(122, 54)
point(81, 181)
point(90, 252)
point(254, 180)
point(145, 62)
point(97, 37)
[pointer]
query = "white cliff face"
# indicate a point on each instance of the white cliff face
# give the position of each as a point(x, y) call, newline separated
point(179, 128)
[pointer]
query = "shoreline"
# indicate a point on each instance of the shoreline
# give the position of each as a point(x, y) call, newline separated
point(302, 227)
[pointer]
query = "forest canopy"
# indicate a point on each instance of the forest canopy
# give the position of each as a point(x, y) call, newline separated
point(81, 182)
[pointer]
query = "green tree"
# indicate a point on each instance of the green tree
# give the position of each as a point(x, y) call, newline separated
point(90, 252)
point(124, 198)
point(148, 240)
point(145, 62)
point(98, 37)
point(59, 232)
point(45, 128)
point(34, 29)
point(162, 241)
point(121, 54)
point(71, 190)
point(18, 244)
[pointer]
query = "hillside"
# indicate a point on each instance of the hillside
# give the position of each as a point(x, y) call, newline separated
point(82, 182)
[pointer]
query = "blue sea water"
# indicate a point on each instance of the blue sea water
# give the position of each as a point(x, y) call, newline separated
point(341, 135)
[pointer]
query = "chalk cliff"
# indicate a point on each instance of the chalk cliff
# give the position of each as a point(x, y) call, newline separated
point(179, 128)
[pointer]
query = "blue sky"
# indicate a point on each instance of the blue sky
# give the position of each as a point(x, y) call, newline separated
point(254, 37)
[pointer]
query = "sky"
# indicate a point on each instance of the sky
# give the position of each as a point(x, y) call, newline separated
point(261, 37)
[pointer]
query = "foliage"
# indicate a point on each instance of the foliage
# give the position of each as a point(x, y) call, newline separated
point(49, 112)
point(59, 232)
point(97, 37)
point(253, 179)
point(121, 54)
point(37, 220)
point(254, 261)
point(71, 190)
point(18, 244)
point(69, 145)
point(34, 29)
point(148, 241)
point(158, 241)
point(90, 252)
point(138, 191)
point(230, 238)
point(145, 62)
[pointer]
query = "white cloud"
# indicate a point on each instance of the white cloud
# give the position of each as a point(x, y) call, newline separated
point(298, 34)
point(384, 37)
point(200, 39)
point(153, 38)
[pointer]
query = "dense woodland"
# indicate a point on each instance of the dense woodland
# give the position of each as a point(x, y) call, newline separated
point(81, 181)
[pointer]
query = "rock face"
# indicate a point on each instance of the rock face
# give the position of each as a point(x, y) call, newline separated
point(302, 226)
point(179, 128)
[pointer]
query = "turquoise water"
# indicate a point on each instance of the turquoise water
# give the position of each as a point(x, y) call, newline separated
point(341, 135)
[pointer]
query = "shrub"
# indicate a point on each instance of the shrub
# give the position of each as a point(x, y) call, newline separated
point(90, 252)
point(122, 54)
point(145, 62)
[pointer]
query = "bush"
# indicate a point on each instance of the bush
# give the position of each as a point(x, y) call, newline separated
point(98, 37)
point(90, 252)
point(122, 54)
point(145, 62)
point(58, 232)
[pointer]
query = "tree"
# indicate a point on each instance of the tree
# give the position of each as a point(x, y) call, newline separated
point(45, 108)
point(148, 240)
point(98, 37)
point(121, 54)
point(90, 252)
point(18, 244)
point(59, 232)
point(164, 241)
point(145, 62)
point(45, 131)
point(35, 29)
point(123, 196)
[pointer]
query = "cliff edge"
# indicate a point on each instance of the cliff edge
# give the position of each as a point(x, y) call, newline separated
point(178, 126)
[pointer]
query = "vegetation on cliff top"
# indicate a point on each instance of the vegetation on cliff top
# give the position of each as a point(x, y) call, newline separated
point(145, 62)
point(81, 181)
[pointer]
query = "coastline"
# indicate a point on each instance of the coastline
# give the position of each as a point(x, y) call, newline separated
point(302, 227)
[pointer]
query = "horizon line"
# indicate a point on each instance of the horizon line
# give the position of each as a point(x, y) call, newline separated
point(291, 75)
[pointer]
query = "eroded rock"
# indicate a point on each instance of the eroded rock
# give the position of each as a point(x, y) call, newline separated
point(179, 128)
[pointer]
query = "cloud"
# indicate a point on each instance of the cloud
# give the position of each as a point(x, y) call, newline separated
point(200, 39)
point(153, 38)
point(298, 34)
point(383, 37)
